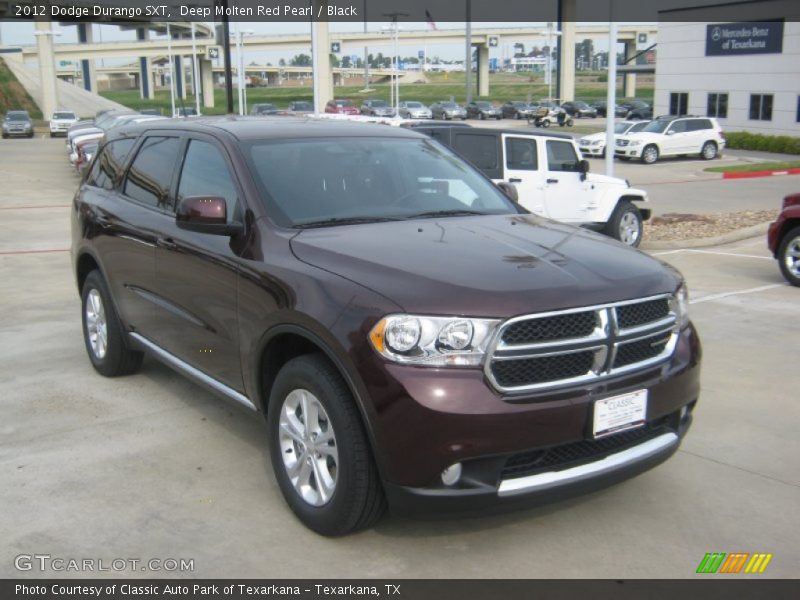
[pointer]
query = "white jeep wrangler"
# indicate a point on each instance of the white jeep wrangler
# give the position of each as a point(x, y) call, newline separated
point(551, 178)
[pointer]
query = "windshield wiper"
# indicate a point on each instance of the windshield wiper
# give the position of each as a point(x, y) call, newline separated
point(453, 212)
point(344, 221)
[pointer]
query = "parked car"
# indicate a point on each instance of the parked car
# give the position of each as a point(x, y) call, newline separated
point(447, 110)
point(783, 239)
point(17, 123)
point(61, 121)
point(300, 108)
point(341, 107)
point(264, 108)
point(531, 360)
point(595, 143)
point(640, 110)
point(186, 111)
point(411, 109)
point(377, 108)
point(551, 178)
point(600, 107)
point(481, 109)
point(579, 109)
point(91, 136)
point(516, 109)
point(672, 136)
point(156, 112)
point(85, 151)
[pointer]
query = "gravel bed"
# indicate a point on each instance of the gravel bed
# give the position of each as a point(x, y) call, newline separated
point(682, 226)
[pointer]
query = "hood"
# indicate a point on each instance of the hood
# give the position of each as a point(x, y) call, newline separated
point(597, 136)
point(599, 178)
point(644, 136)
point(490, 266)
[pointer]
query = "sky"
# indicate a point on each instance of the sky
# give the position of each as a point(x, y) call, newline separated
point(22, 34)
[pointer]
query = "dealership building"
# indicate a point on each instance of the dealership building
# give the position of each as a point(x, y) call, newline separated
point(744, 72)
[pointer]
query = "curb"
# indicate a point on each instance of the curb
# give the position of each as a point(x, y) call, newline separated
point(725, 238)
point(767, 173)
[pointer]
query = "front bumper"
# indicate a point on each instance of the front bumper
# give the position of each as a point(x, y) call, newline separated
point(18, 132)
point(428, 419)
point(628, 151)
point(592, 150)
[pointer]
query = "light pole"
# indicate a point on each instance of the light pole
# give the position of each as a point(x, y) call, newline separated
point(395, 87)
point(550, 34)
point(171, 70)
point(195, 72)
point(611, 96)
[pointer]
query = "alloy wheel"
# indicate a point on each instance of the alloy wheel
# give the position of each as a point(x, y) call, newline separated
point(629, 229)
point(308, 447)
point(96, 324)
point(791, 257)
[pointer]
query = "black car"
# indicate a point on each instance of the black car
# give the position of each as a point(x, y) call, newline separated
point(600, 107)
point(579, 109)
point(517, 109)
point(640, 111)
point(481, 109)
point(17, 123)
point(264, 108)
point(300, 108)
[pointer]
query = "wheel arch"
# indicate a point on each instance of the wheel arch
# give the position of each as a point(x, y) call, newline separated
point(286, 341)
point(786, 227)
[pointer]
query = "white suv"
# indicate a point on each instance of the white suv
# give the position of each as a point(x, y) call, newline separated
point(594, 145)
point(61, 122)
point(672, 136)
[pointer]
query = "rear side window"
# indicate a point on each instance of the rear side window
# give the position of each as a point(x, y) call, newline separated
point(150, 174)
point(521, 154)
point(698, 124)
point(108, 166)
point(480, 150)
point(561, 156)
point(205, 173)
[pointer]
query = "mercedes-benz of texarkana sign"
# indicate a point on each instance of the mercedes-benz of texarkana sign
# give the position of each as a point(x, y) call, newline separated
point(413, 336)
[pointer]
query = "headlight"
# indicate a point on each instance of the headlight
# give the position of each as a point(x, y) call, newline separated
point(432, 341)
point(597, 142)
point(635, 143)
point(679, 304)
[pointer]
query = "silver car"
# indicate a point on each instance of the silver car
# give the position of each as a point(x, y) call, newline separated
point(414, 110)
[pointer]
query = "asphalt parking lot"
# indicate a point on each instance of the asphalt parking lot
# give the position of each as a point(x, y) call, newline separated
point(151, 466)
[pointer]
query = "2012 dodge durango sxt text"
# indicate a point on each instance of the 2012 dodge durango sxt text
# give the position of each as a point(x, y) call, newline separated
point(411, 334)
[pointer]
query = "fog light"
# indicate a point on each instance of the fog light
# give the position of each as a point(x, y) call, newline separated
point(451, 474)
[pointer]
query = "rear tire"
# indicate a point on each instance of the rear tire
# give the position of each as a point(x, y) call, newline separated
point(789, 256)
point(319, 450)
point(709, 151)
point(103, 334)
point(625, 224)
point(545, 123)
point(650, 154)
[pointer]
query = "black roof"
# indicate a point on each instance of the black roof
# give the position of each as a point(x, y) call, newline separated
point(259, 128)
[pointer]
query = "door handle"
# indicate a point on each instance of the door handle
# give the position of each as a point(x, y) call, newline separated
point(166, 243)
point(552, 181)
point(514, 180)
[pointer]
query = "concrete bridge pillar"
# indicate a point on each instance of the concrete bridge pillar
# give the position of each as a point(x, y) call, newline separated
point(88, 72)
point(180, 76)
point(483, 70)
point(321, 62)
point(565, 80)
point(146, 86)
point(47, 68)
point(207, 82)
point(629, 79)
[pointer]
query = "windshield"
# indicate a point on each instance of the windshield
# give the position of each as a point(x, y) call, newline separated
point(448, 105)
point(621, 127)
point(17, 117)
point(413, 104)
point(638, 127)
point(656, 126)
point(64, 115)
point(378, 103)
point(302, 106)
point(322, 181)
point(344, 103)
point(483, 104)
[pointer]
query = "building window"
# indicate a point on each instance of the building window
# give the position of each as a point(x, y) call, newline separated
point(717, 105)
point(678, 103)
point(798, 109)
point(761, 107)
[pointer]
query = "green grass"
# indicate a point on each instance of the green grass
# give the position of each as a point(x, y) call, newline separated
point(13, 96)
point(503, 87)
point(765, 166)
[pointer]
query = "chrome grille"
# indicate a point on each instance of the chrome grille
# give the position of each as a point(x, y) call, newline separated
point(581, 345)
point(623, 142)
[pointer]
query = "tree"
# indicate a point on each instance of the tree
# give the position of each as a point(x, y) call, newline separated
point(301, 60)
point(346, 62)
point(334, 60)
point(282, 62)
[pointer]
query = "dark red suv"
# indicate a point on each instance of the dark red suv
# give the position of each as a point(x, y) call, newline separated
point(409, 332)
point(783, 239)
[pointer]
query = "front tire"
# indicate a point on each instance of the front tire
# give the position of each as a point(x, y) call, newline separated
point(789, 256)
point(626, 224)
point(709, 151)
point(103, 334)
point(319, 450)
point(650, 154)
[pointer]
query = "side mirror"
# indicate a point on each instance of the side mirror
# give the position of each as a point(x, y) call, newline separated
point(510, 190)
point(583, 168)
point(205, 214)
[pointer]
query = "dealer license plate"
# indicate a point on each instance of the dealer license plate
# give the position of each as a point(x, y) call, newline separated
point(615, 414)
